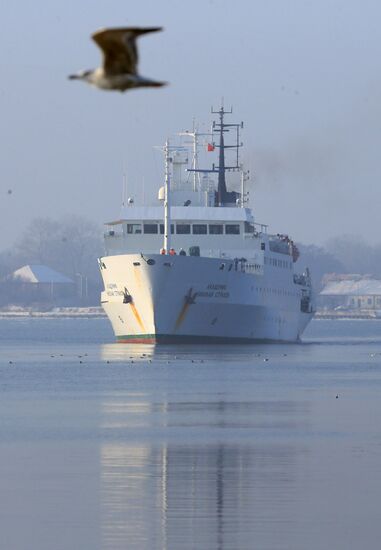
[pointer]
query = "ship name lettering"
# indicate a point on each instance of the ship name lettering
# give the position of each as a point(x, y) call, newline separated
point(212, 294)
point(205, 294)
point(222, 294)
point(214, 286)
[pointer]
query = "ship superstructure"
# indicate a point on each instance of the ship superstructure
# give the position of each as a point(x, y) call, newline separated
point(196, 266)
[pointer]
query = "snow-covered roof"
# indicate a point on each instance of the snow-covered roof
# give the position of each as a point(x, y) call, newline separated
point(39, 274)
point(350, 287)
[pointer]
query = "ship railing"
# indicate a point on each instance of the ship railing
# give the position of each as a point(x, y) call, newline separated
point(252, 267)
point(111, 233)
point(255, 229)
point(302, 279)
point(262, 227)
point(242, 265)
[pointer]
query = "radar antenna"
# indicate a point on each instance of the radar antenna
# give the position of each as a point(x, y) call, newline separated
point(223, 196)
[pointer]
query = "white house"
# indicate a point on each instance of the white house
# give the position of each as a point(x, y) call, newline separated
point(356, 293)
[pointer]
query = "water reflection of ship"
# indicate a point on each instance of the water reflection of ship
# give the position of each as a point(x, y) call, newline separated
point(194, 494)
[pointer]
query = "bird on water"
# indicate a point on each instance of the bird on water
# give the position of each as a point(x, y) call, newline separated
point(119, 70)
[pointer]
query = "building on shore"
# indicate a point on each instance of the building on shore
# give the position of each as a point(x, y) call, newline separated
point(32, 284)
point(352, 292)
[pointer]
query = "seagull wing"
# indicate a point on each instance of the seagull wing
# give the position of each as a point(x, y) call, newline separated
point(120, 54)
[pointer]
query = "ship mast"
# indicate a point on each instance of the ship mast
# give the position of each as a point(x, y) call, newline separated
point(223, 196)
point(195, 134)
point(167, 201)
point(196, 176)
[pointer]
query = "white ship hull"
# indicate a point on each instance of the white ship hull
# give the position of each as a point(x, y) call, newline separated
point(169, 299)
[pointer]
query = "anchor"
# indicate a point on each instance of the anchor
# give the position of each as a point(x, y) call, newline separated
point(127, 298)
point(189, 298)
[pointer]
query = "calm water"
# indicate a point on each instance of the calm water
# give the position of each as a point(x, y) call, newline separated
point(109, 446)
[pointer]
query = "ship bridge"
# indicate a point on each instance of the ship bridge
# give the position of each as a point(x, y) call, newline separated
point(217, 232)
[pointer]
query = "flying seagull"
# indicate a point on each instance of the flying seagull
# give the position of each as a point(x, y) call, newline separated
point(120, 60)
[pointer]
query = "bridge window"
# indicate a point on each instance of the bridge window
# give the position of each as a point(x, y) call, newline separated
point(183, 228)
point(162, 229)
point(134, 228)
point(199, 229)
point(150, 228)
point(216, 229)
point(232, 229)
point(249, 227)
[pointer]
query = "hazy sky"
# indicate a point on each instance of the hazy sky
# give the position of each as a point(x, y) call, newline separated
point(305, 76)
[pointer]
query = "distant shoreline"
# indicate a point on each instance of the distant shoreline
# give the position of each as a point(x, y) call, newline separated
point(334, 315)
point(57, 313)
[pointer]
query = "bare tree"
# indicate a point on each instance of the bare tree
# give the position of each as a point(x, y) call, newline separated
point(356, 255)
point(70, 246)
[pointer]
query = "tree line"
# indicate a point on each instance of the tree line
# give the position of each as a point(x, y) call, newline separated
point(344, 254)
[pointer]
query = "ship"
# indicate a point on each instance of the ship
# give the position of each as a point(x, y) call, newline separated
point(195, 266)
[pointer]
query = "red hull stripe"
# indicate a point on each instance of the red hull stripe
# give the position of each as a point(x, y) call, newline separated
point(186, 339)
point(137, 340)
